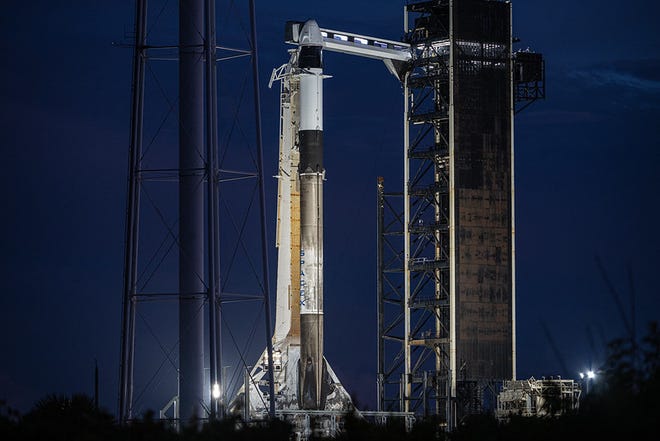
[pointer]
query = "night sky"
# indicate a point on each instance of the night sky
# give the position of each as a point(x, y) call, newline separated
point(587, 182)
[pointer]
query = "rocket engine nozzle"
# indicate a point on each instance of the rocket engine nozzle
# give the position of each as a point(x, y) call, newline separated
point(309, 397)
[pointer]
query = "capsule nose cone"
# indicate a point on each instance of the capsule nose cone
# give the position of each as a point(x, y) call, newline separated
point(310, 35)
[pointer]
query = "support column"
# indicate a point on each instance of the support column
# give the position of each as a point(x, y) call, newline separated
point(191, 208)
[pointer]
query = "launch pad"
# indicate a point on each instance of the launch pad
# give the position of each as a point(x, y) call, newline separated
point(446, 291)
point(308, 393)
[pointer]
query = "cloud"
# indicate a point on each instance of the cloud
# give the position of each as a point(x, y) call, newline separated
point(633, 75)
point(561, 117)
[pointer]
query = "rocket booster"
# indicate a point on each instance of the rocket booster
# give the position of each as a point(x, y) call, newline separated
point(312, 370)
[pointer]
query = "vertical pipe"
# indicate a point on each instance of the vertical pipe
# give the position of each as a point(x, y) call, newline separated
point(406, 249)
point(131, 352)
point(379, 292)
point(403, 405)
point(439, 353)
point(405, 19)
point(215, 250)
point(425, 385)
point(132, 215)
point(452, 222)
point(262, 204)
point(402, 393)
point(405, 387)
point(211, 190)
point(246, 394)
point(513, 204)
point(191, 208)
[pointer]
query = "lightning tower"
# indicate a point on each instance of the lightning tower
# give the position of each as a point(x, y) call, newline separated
point(188, 256)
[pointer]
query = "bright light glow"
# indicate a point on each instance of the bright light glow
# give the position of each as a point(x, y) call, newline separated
point(591, 375)
point(324, 34)
point(216, 391)
point(581, 375)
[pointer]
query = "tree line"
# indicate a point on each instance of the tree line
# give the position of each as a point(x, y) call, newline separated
point(623, 404)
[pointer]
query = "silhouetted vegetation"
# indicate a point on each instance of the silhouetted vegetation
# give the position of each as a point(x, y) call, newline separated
point(60, 418)
point(621, 405)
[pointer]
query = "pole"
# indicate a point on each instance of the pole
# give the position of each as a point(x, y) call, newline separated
point(379, 291)
point(262, 203)
point(132, 216)
point(246, 394)
point(452, 225)
point(96, 384)
point(191, 209)
point(211, 192)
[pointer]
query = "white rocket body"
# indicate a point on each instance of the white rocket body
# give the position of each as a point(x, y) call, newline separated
point(303, 378)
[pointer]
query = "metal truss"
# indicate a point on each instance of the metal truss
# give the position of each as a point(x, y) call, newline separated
point(391, 313)
point(149, 211)
point(414, 246)
point(428, 261)
point(528, 78)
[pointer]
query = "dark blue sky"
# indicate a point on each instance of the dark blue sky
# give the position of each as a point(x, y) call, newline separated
point(586, 181)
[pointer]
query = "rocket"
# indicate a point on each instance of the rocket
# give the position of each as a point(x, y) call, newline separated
point(312, 371)
point(304, 379)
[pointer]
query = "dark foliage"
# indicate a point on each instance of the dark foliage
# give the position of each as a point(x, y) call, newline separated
point(60, 418)
point(622, 405)
point(358, 429)
point(9, 419)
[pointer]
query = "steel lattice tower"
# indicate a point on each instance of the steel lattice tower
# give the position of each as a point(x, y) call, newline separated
point(196, 232)
point(446, 249)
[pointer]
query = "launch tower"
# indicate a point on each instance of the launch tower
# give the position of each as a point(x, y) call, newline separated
point(446, 259)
